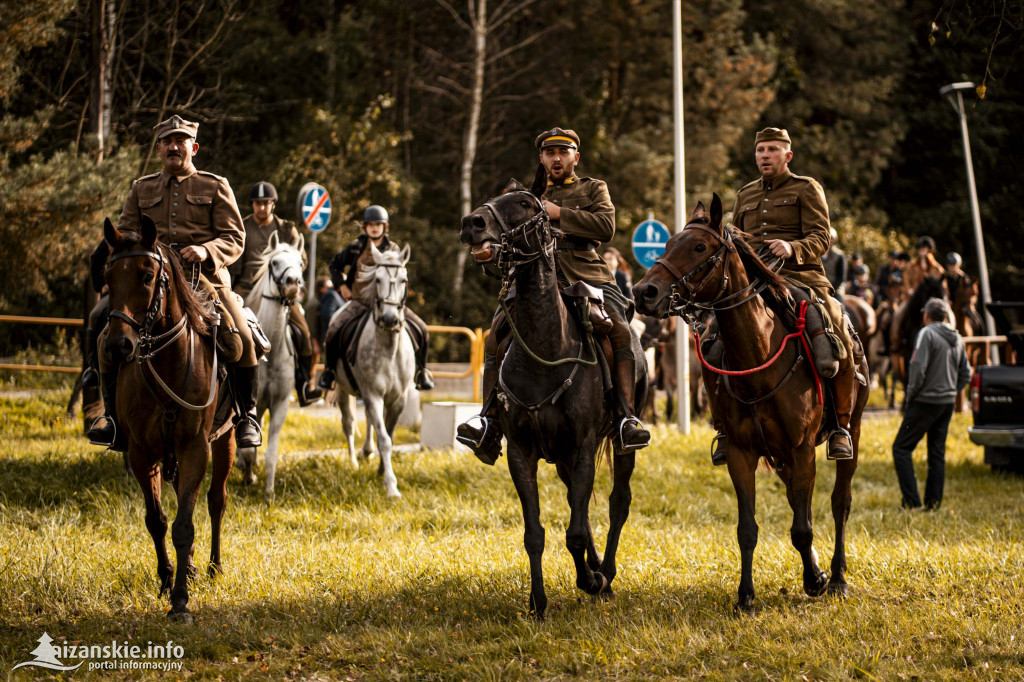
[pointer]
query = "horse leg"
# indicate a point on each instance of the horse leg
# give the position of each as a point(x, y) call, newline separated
point(593, 558)
point(216, 498)
point(277, 415)
point(618, 511)
point(191, 469)
point(523, 470)
point(577, 534)
point(741, 471)
point(150, 480)
point(799, 480)
point(375, 417)
point(348, 424)
point(842, 497)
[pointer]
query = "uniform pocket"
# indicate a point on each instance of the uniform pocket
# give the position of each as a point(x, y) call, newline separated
point(786, 210)
point(746, 219)
point(149, 202)
point(197, 211)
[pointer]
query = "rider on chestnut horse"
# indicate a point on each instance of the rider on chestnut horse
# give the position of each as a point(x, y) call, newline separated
point(787, 215)
point(583, 210)
point(196, 212)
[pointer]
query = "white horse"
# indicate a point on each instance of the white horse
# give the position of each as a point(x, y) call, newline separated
point(385, 361)
point(278, 281)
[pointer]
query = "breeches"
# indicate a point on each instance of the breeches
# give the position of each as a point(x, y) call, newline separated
point(231, 304)
point(351, 311)
point(297, 319)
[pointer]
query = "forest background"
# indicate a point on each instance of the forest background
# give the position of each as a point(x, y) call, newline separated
point(427, 107)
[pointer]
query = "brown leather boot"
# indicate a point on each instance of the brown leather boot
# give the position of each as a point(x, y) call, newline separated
point(844, 396)
point(630, 433)
point(484, 440)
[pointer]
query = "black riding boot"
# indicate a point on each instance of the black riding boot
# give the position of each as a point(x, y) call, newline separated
point(91, 375)
point(326, 381)
point(110, 434)
point(630, 434)
point(247, 428)
point(424, 379)
point(842, 391)
point(484, 440)
point(303, 373)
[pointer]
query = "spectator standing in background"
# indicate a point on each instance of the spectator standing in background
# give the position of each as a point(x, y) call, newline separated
point(834, 262)
point(620, 269)
point(938, 372)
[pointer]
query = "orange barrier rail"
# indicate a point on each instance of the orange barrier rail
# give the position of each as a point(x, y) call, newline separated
point(475, 336)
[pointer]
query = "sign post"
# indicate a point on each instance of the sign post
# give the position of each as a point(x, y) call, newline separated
point(682, 329)
point(314, 206)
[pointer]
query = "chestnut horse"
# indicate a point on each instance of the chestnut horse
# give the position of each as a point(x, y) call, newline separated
point(160, 333)
point(773, 409)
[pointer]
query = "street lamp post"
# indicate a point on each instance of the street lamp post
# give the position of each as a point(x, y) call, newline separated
point(954, 94)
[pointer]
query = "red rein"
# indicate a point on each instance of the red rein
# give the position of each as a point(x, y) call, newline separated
point(801, 321)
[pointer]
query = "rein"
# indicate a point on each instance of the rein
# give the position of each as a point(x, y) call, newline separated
point(392, 297)
point(278, 280)
point(151, 344)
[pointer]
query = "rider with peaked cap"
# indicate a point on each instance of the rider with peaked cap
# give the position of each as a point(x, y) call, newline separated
point(345, 268)
point(787, 214)
point(259, 226)
point(583, 210)
point(195, 212)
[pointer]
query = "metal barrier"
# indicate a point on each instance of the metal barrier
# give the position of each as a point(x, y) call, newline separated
point(475, 336)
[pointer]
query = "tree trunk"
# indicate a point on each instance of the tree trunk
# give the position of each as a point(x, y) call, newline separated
point(98, 78)
point(471, 138)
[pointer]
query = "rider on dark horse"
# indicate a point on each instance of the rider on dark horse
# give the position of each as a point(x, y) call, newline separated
point(194, 212)
point(788, 215)
point(356, 258)
point(583, 210)
point(259, 226)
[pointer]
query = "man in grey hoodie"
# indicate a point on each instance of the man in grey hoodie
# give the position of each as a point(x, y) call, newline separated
point(938, 371)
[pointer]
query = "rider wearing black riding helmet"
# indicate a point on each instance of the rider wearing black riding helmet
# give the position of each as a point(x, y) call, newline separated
point(345, 268)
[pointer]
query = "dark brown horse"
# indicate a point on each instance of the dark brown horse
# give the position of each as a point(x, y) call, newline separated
point(963, 299)
point(906, 323)
point(551, 387)
point(775, 411)
point(161, 335)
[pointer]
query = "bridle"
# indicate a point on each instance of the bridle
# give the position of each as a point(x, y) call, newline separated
point(509, 255)
point(151, 344)
point(685, 304)
point(278, 279)
point(392, 297)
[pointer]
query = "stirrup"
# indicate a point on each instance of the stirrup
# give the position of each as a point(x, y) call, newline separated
point(488, 453)
point(469, 441)
point(828, 447)
point(424, 380)
point(626, 448)
point(255, 424)
point(308, 396)
point(716, 458)
point(92, 427)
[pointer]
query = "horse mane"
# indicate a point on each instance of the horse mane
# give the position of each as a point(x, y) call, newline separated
point(391, 256)
point(777, 288)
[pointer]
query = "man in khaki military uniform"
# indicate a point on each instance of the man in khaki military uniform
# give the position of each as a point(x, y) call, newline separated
point(259, 226)
point(788, 214)
point(194, 212)
point(583, 210)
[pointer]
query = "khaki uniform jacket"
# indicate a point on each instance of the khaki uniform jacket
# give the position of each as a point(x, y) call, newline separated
point(791, 208)
point(587, 218)
point(195, 208)
point(257, 237)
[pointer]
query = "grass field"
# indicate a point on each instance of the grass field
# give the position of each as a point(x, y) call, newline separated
point(334, 581)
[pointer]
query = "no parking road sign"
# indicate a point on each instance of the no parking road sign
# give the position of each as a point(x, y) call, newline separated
point(649, 240)
point(314, 206)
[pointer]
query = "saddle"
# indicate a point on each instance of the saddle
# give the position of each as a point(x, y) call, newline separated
point(346, 341)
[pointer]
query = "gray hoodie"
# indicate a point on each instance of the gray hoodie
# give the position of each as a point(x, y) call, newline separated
point(938, 368)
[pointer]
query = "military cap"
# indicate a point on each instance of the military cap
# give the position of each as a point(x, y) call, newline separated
point(769, 134)
point(558, 137)
point(176, 124)
point(263, 191)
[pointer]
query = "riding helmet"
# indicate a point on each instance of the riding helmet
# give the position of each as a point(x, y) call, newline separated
point(953, 258)
point(375, 214)
point(262, 191)
point(926, 241)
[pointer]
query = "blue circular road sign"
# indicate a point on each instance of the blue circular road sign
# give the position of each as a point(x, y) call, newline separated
point(649, 240)
point(315, 206)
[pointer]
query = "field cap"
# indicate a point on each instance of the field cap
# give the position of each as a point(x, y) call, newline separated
point(558, 137)
point(769, 134)
point(176, 124)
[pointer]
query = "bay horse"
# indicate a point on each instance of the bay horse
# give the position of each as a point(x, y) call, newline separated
point(552, 388)
point(906, 323)
point(963, 298)
point(386, 361)
point(162, 336)
point(773, 409)
point(277, 282)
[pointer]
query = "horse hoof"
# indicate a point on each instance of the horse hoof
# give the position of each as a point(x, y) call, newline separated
point(840, 590)
point(818, 586)
point(744, 607)
point(214, 570)
point(181, 617)
point(268, 497)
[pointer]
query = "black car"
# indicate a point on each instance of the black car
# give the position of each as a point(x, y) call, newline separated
point(997, 396)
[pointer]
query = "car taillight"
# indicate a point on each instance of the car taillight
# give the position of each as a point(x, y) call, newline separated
point(976, 392)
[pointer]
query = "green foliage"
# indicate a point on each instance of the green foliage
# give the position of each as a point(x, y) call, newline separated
point(334, 581)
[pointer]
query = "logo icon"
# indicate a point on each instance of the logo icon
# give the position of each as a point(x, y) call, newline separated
point(46, 656)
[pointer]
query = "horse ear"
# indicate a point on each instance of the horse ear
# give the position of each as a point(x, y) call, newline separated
point(300, 243)
point(375, 252)
point(403, 255)
point(148, 231)
point(540, 181)
point(273, 242)
point(698, 210)
point(512, 185)
point(110, 233)
point(716, 210)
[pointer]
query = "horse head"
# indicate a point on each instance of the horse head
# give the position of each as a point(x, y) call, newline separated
point(512, 226)
point(284, 266)
point(135, 274)
point(390, 286)
point(696, 250)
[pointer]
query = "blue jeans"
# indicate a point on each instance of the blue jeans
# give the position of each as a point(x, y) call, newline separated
point(918, 420)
